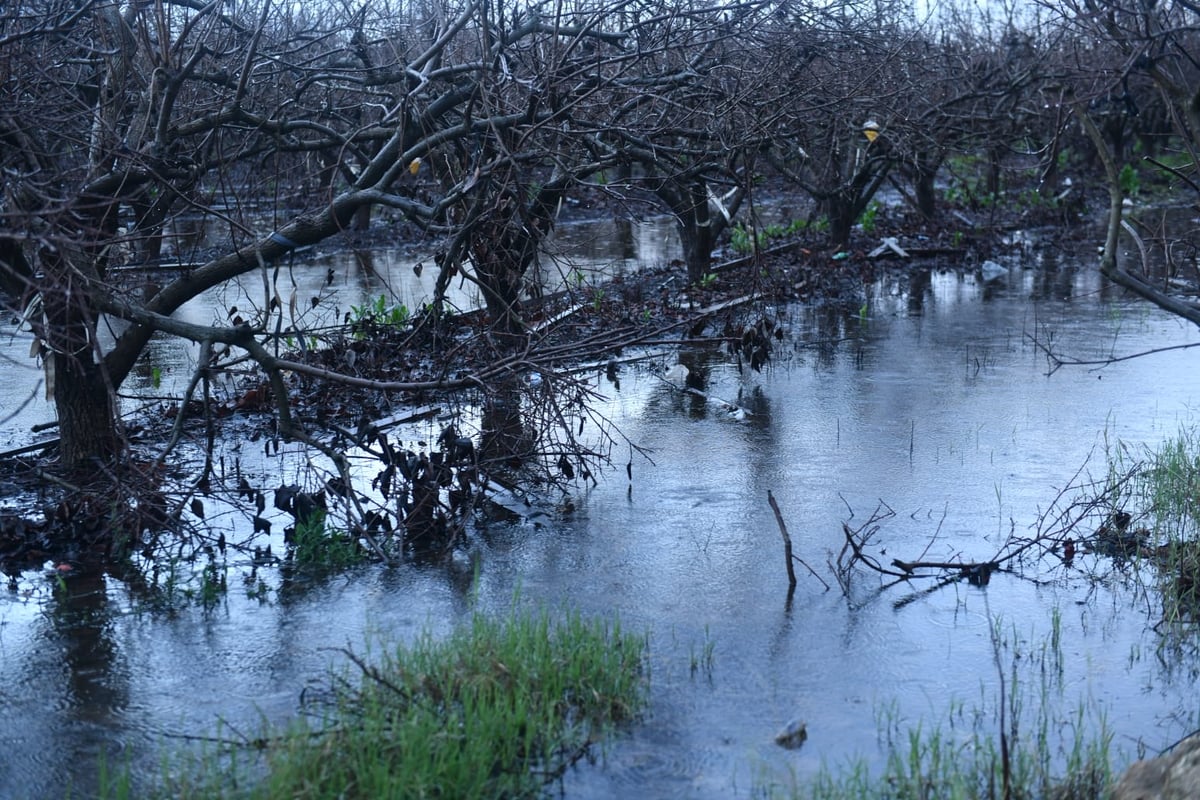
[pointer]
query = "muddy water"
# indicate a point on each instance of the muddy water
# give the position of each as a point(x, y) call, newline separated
point(933, 400)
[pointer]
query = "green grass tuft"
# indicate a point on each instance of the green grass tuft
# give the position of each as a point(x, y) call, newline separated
point(498, 709)
point(315, 544)
point(1019, 742)
point(1164, 491)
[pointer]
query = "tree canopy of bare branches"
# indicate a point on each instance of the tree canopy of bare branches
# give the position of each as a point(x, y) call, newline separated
point(125, 125)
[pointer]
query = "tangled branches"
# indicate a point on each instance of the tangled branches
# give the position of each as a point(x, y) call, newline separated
point(1086, 517)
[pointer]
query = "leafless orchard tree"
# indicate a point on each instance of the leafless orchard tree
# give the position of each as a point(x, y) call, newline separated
point(841, 107)
point(686, 131)
point(1125, 58)
point(641, 100)
point(975, 89)
point(868, 96)
point(126, 124)
point(121, 119)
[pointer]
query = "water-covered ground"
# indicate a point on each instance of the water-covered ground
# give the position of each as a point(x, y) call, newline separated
point(933, 400)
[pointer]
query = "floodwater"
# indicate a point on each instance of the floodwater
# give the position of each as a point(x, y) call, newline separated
point(934, 400)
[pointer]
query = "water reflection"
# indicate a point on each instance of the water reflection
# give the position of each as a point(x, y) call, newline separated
point(81, 620)
point(919, 283)
point(933, 400)
point(22, 395)
point(70, 687)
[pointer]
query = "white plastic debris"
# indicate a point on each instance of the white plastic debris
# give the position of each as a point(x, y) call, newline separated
point(677, 374)
point(992, 270)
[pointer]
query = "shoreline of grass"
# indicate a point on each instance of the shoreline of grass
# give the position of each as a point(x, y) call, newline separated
point(499, 708)
point(1018, 741)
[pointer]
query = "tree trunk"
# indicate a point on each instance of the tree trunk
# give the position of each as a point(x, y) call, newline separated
point(847, 204)
point(697, 248)
point(926, 194)
point(497, 266)
point(505, 245)
point(842, 216)
point(87, 421)
point(698, 226)
point(922, 171)
point(83, 395)
point(993, 175)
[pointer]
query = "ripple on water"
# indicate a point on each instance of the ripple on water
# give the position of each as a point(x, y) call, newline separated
point(49, 771)
point(651, 765)
point(956, 618)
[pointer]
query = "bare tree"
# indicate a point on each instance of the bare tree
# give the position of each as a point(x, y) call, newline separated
point(1117, 51)
point(121, 121)
point(688, 132)
point(127, 125)
point(972, 90)
point(840, 92)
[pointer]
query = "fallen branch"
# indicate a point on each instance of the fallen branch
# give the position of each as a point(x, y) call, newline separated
point(787, 549)
point(912, 566)
point(977, 573)
point(787, 543)
point(859, 555)
point(29, 448)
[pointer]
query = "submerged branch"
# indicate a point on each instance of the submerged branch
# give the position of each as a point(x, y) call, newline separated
point(787, 543)
point(787, 549)
point(1061, 531)
point(1058, 360)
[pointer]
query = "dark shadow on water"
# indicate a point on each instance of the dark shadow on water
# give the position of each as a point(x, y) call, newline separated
point(79, 680)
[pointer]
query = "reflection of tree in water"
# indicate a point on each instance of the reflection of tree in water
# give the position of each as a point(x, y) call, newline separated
point(504, 437)
point(1053, 279)
point(920, 282)
point(693, 403)
point(694, 395)
point(536, 432)
point(623, 238)
point(828, 325)
point(97, 687)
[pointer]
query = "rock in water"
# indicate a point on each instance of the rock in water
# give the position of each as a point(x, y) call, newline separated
point(792, 735)
point(677, 374)
point(1174, 776)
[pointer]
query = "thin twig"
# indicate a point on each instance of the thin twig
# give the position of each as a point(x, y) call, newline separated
point(787, 543)
point(788, 546)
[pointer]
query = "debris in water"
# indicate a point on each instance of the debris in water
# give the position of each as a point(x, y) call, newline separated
point(992, 270)
point(677, 374)
point(792, 735)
